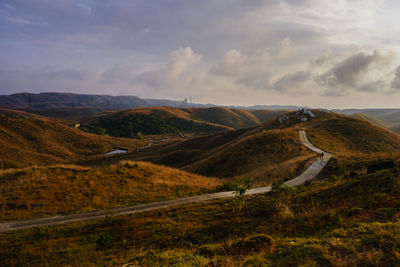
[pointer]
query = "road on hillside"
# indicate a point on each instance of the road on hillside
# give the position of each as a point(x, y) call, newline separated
point(311, 172)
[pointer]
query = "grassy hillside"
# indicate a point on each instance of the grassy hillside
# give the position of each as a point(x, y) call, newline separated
point(272, 151)
point(348, 216)
point(345, 135)
point(395, 129)
point(263, 152)
point(339, 221)
point(389, 119)
point(267, 156)
point(160, 120)
point(235, 118)
point(372, 120)
point(43, 191)
point(387, 115)
point(167, 120)
point(27, 139)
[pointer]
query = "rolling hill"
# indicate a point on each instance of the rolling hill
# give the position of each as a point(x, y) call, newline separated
point(59, 189)
point(28, 139)
point(348, 216)
point(154, 121)
point(265, 152)
point(338, 221)
point(272, 151)
point(234, 118)
point(372, 120)
point(344, 135)
point(167, 120)
point(387, 118)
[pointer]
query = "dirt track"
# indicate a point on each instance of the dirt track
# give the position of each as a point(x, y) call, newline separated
point(311, 172)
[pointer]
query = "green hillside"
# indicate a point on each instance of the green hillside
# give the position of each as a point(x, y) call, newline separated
point(167, 120)
point(27, 139)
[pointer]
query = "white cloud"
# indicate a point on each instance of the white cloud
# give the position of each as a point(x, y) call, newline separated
point(298, 82)
point(395, 84)
point(230, 48)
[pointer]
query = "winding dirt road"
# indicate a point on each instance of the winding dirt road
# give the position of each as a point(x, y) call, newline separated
point(311, 172)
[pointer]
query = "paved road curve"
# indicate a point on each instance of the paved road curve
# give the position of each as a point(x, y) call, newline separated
point(308, 174)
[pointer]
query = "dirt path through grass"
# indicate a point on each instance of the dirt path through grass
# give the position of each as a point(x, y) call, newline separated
point(311, 172)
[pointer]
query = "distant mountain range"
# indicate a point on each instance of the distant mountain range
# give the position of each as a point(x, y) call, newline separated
point(48, 101)
point(75, 106)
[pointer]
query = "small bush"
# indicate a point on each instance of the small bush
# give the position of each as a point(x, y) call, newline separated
point(104, 241)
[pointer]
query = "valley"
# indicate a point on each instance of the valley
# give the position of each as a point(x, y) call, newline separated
point(170, 197)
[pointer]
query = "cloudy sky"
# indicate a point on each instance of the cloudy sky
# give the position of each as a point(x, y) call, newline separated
point(320, 53)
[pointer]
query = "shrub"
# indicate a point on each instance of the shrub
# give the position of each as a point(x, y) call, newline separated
point(240, 188)
point(104, 241)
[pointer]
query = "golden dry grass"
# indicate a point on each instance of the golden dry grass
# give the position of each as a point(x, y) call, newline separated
point(27, 139)
point(267, 156)
point(346, 136)
point(42, 191)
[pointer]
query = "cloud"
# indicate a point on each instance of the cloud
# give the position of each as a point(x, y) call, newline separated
point(349, 71)
point(285, 47)
point(173, 74)
point(232, 64)
point(355, 73)
point(118, 74)
point(293, 82)
point(42, 80)
point(373, 86)
point(251, 71)
point(395, 84)
point(180, 61)
point(249, 49)
point(64, 74)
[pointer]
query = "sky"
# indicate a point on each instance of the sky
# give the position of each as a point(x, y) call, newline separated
point(320, 53)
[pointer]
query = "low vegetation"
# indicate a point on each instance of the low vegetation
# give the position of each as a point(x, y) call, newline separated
point(348, 216)
point(27, 139)
point(168, 120)
point(349, 136)
point(44, 191)
point(154, 121)
point(266, 155)
point(234, 118)
point(341, 220)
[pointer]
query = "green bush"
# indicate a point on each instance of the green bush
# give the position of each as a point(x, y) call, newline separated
point(104, 241)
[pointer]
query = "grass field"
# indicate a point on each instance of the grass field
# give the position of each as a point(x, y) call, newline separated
point(339, 221)
point(43, 191)
point(27, 139)
point(168, 120)
point(347, 136)
point(349, 216)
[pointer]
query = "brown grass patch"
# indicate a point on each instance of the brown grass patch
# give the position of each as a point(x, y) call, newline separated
point(42, 191)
